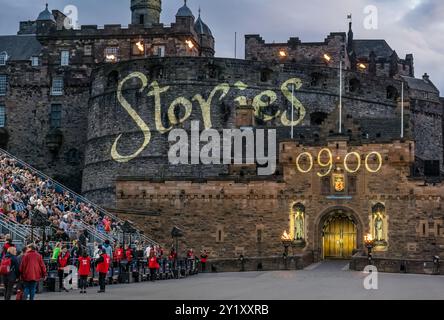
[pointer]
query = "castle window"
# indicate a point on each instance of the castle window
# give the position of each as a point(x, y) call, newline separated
point(317, 118)
point(219, 234)
point(325, 185)
point(157, 72)
point(111, 54)
point(64, 58)
point(138, 48)
point(142, 19)
point(354, 85)
point(57, 86)
point(266, 75)
point(35, 61)
point(2, 116)
point(55, 117)
point(159, 51)
point(87, 50)
point(315, 79)
point(113, 79)
point(392, 93)
point(352, 184)
point(3, 58)
point(213, 71)
point(259, 235)
point(3, 84)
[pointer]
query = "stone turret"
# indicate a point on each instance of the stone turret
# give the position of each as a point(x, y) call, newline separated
point(145, 12)
point(46, 22)
point(206, 39)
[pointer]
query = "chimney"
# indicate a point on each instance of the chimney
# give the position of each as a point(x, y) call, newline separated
point(426, 77)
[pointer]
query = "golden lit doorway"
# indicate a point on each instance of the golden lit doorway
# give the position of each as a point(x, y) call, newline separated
point(339, 237)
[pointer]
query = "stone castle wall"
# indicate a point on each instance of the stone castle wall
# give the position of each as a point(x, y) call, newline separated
point(188, 77)
point(224, 216)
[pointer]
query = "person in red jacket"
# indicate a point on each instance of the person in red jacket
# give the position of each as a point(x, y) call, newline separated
point(8, 244)
point(102, 264)
point(118, 254)
point(129, 258)
point(153, 265)
point(62, 262)
point(32, 269)
point(84, 266)
point(203, 260)
point(129, 254)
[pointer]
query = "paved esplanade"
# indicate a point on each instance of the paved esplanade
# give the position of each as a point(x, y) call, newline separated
point(326, 280)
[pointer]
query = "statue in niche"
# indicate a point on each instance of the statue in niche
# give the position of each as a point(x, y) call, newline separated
point(379, 226)
point(299, 224)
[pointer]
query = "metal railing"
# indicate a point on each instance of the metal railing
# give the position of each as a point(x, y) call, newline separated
point(17, 231)
point(80, 198)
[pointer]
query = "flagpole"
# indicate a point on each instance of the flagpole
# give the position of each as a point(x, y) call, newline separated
point(235, 45)
point(292, 111)
point(402, 110)
point(340, 94)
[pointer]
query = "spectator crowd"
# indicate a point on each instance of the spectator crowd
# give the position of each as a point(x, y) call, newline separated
point(23, 192)
point(25, 195)
point(49, 264)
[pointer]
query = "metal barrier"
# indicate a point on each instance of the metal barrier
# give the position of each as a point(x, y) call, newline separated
point(134, 271)
point(16, 230)
point(79, 198)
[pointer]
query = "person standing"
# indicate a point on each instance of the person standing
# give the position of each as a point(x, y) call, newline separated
point(84, 266)
point(203, 260)
point(9, 271)
point(102, 264)
point(153, 265)
point(129, 258)
point(7, 245)
point(32, 269)
point(108, 248)
point(62, 262)
point(56, 251)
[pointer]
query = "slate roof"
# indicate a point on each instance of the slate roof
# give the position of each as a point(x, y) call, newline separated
point(201, 27)
point(21, 47)
point(420, 84)
point(184, 11)
point(363, 48)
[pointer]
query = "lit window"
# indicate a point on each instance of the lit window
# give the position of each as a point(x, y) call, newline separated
point(3, 84)
point(35, 61)
point(282, 53)
point(112, 54)
point(55, 118)
point(2, 116)
point(64, 58)
point(3, 58)
point(57, 86)
point(87, 51)
point(138, 48)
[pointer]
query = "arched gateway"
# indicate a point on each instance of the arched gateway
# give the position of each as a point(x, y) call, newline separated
point(339, 229)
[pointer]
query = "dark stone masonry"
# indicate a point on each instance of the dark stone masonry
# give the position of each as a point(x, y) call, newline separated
point(92, 107)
